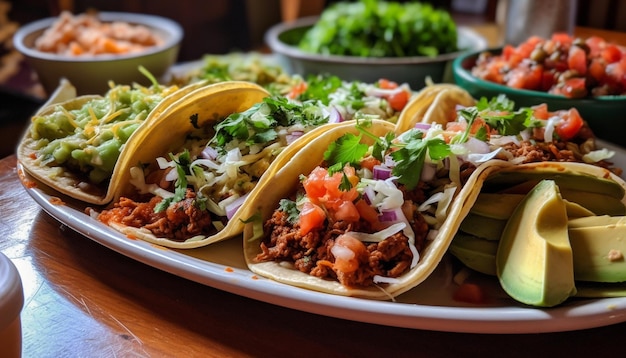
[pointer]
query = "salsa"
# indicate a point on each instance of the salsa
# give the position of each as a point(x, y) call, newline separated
point(562, 65)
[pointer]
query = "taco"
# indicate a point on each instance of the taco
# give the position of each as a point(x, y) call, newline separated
point(435, 103)
point(483, 138)
point(351, 216)
point(72, 144)
point(219, 162)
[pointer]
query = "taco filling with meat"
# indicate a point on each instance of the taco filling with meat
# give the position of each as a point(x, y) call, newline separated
point(369, 215)
point(211, 178)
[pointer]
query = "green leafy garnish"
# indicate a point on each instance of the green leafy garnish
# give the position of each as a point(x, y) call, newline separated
point(347, 149)
point(289, 207)
point(180, 185)
point(374, 28)
point(411, 155)
point(258, 124)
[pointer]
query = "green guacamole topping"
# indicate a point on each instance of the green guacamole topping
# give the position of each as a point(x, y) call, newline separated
point(90, 139)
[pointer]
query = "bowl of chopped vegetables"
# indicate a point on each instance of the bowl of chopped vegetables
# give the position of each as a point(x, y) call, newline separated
point(91, 49)
point(368, 40)
point(562, 71)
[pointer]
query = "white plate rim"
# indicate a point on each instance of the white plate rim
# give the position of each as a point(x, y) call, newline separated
point(514, 319)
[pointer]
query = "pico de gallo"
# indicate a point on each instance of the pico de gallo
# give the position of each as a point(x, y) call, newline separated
point(563, 65)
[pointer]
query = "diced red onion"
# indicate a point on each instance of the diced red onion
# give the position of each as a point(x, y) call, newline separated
point(233, 206)
point(388, 215)
point(209, 153)
point(368, 194)
point(381, 172)
point(423, 126)
point(291, 137)
point(334, 116)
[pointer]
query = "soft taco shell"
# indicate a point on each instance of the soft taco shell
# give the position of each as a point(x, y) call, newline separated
point(73, 184)
point(433, 104)
point(168, 133)
point(287, 169)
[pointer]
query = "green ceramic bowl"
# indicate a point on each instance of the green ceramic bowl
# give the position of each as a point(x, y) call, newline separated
point(606, 115)
point(284, 37)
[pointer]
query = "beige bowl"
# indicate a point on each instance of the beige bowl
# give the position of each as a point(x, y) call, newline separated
point(283, 38)
point(91, 75)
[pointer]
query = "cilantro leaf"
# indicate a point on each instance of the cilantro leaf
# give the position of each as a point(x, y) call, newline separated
point(347, 149)
point(411, 156)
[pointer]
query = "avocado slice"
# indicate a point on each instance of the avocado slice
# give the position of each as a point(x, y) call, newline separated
point(534, 261)
point(475, 253)
point(599, 252)
point(496, 205)
point(599, 204)
point(482, 226)
point(501, 205)
point(525, 178)
point(600, 220)
point(598, 247)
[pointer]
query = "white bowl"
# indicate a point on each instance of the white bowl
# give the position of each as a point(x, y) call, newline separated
point(283, 38)
point(90, 75)
point(11, 303)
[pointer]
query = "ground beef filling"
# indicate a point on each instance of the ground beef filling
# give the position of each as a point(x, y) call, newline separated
point(179, 222)
point(311, 253)
point(534, 152)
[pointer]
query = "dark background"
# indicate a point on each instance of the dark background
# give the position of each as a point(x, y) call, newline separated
point(211, 27)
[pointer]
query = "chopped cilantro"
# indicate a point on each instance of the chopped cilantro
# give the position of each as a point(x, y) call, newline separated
point(320, 87)
point(180, 184)
point(289, 207)
point(500, 114)
point(258, 124)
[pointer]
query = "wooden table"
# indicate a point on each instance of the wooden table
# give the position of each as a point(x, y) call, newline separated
point(85, 300)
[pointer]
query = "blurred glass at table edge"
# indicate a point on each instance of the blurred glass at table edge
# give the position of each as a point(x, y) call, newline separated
point(521, 19)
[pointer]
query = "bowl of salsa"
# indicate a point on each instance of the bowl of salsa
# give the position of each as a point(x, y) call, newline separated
point(92, 49)
point(562, 71)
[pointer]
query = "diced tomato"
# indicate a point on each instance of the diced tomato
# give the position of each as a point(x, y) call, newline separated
point(574, 88)
point(563, 38)
point(347, 211)
point(541, 111)
point(368, 213)
point(616, 73)
point(577, 60)
point(314, 183)
point(311, 217)
point(548, 79)
point(297, 90)
point(398, 100)
point(611, 54)
point(470, 293)
point(369, 163)
point(525, 78)
point(386, 84)
point(570, 124)
point(596, 44)
point(507, 51)
point(597, 70)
